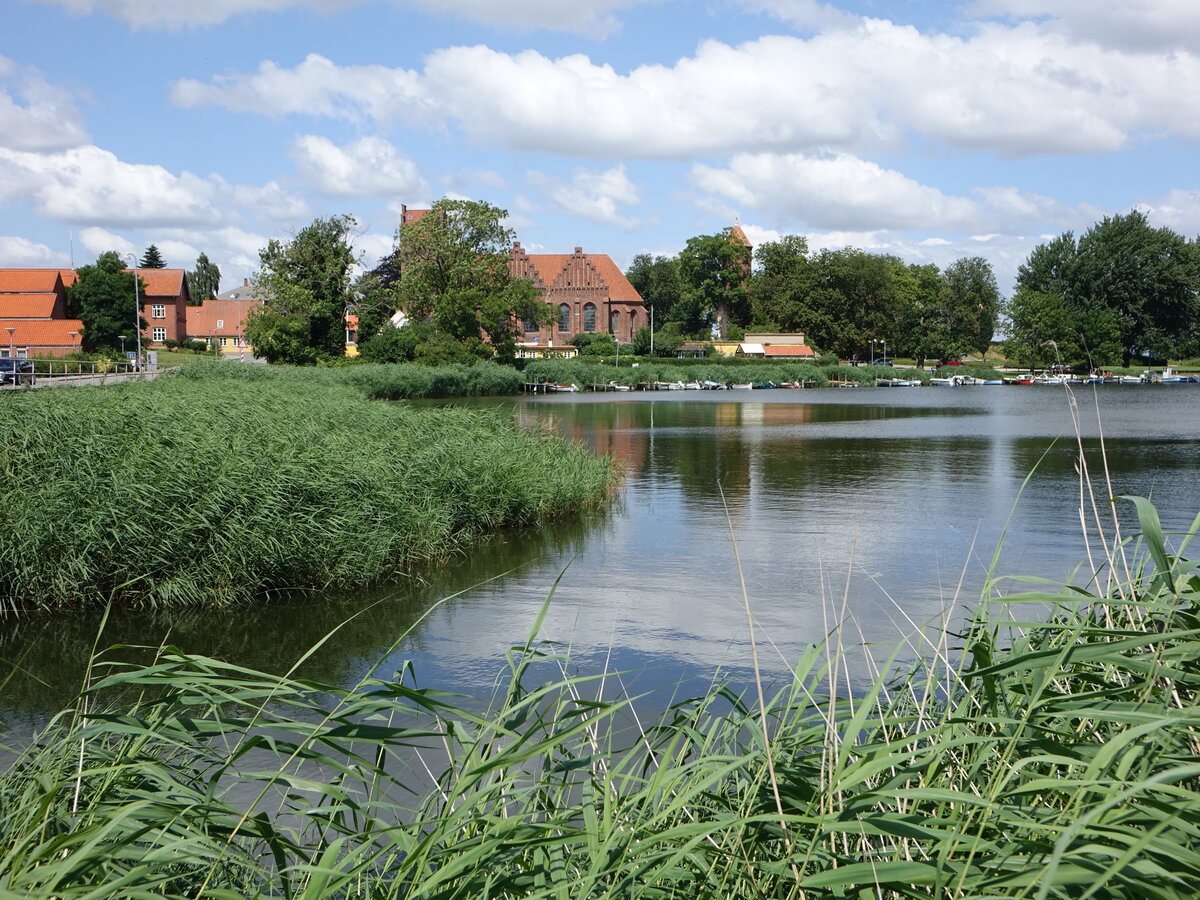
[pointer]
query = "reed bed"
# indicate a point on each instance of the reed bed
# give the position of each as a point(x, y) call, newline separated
point(232, 482)
point(583, 372)
point(1050, 758)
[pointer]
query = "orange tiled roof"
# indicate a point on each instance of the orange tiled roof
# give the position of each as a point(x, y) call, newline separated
point(549, 265)
point(28, 281)
point(162, 282)
point(42, 332)
point(202, 320)
point(27, 306)
point(789, 350)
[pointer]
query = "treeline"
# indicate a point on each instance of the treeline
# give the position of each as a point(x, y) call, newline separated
point(848, 302)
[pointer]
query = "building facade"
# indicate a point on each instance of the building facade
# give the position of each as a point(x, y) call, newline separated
point(588, 292)
point(33, 313)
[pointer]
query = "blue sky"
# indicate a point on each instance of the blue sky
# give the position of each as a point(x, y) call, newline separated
point(928, 130)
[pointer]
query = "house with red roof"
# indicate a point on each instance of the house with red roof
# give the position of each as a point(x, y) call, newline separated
point(588, 291)
point(33, 313)
point(164, 304)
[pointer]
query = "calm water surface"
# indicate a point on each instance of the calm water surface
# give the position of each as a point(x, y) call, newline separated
point(885, 503)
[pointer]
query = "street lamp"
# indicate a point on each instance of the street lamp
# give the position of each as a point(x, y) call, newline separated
point(121, 338)
point(137, 312)
point(10, 329)
point(873, 342)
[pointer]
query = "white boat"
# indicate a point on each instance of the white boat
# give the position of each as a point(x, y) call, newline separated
point(738, 386)
point(668, 385)
point(561, 388)
point(692, 386)
point(952, 381)
point(613, 386)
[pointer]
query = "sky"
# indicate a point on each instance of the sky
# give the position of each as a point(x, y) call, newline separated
point(928, 130)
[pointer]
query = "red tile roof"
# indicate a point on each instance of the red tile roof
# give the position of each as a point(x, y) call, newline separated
point(549, 265)
point(202, 320)
point(42, 332)
point(789, 350)
point(736, 234)
point(162, 282)
point(28, 306)
point(28, 281)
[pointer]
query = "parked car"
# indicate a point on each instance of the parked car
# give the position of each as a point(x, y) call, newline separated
point(950, 362)
point(16, 371)
point(882, 362)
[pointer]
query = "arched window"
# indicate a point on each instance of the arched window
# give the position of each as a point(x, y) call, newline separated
point(614, 324)
point(530, 325)
point(632, 323)
point(589, 317)
point(564, 317)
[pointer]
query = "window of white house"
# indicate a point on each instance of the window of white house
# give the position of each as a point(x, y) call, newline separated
point(158, 311)
point(589, 317)
point(158, 335)
point(220, 323)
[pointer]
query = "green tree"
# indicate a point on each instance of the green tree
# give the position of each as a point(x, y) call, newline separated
point(454, 272)
point(103, 299)
point(1147, 278)
point(1126, 289)
point(376, 299)
point(972, 302)
point(204, 281)
point(781, 284)
point(924, 325)
point(152, 259)
point(657, 280)
point(595, 344)
point(715, 271)
point(307, 285)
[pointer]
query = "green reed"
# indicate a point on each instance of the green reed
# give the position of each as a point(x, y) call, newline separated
point(1054, 757)
point(231, 482)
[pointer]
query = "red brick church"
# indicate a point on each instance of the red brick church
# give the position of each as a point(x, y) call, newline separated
point(589, 291)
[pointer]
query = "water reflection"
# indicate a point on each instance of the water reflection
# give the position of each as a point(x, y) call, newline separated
point(884, 504)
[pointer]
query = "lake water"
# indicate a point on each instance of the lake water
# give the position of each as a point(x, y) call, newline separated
point(877, 508)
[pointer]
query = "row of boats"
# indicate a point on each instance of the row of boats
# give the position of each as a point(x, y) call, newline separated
point(1167, 376)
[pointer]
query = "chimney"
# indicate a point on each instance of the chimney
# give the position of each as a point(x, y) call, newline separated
point(245, 282)
point(579, 251)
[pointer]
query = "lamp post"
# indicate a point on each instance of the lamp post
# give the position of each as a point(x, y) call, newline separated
point(873, 342)
point(121, 338)
point(10, 329)
point(137, 313)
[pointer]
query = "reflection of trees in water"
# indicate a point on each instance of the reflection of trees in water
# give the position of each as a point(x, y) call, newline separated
point(47, 654)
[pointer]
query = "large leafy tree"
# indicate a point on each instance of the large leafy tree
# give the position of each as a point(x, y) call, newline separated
point(152, 259)
point(204, 281)
point(104, 300)
point(855, 297)
point(307, 285)
point(1124, 289)
point(781, 284)
point(656, 279)
point(972, 302)
point(715, 271)
point(454, 273)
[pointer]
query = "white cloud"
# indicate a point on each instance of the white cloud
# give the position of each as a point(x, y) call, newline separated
point(594, 17)
point(1179, 210)
point(18, 252)
point(269, 202)
point(1135, 25)
point(373, 248)
point(315, 86)
point(35, 115)
point(368, 167)
point(100, 240)
point(1013, 90)
point(174, 14)
point(596, 196)
point(91, 186)
point(834, 192)
point(87, 185)
point(807, 15)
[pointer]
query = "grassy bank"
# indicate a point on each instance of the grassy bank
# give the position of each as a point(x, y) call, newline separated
point(230, 482)
point(1056, 758)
